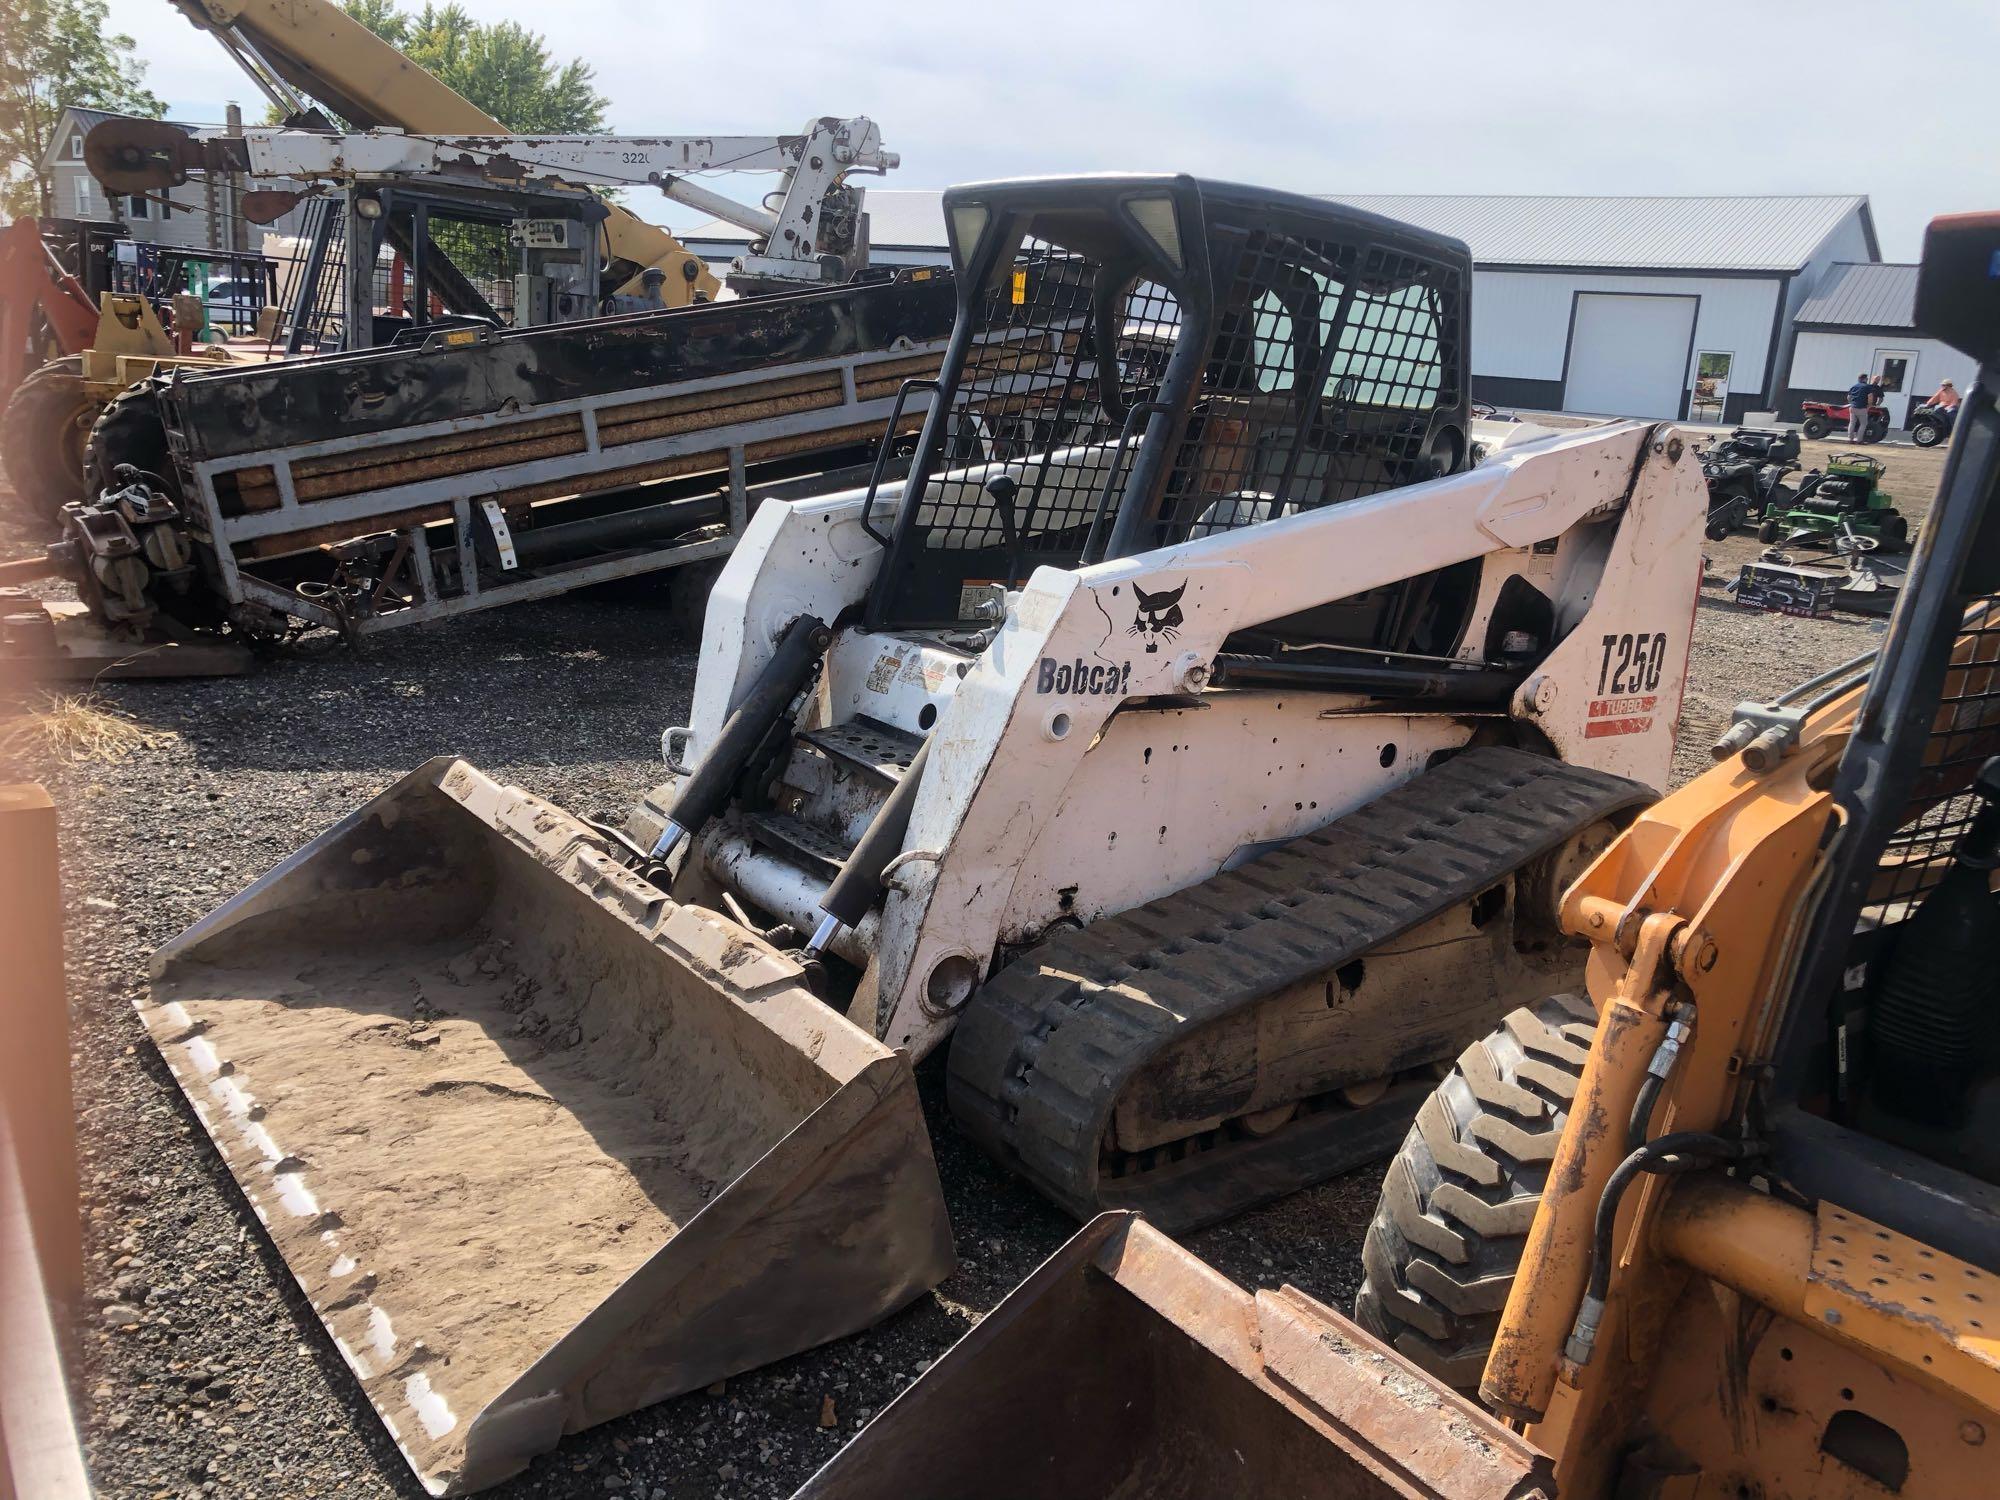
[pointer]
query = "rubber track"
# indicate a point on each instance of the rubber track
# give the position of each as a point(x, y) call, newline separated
point(1046, 1047)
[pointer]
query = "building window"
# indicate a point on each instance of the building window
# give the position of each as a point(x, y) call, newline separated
point(76, 146)
point(82, 196)
point(139, 207)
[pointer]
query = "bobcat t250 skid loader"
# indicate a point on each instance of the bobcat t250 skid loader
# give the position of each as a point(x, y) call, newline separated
point(1196, 732)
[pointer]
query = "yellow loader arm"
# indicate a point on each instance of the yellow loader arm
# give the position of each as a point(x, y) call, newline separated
point(317, 48)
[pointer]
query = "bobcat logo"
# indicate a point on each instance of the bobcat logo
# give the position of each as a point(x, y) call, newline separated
point(1159, 617)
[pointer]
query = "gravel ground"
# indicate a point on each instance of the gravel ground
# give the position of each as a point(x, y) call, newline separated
point(203, 1370)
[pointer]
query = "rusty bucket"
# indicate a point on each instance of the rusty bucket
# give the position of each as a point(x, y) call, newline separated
point(1126, 1369)
point(540, 1144)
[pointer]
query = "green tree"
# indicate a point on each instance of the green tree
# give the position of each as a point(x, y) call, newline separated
point(55, 53)
point(500, 66)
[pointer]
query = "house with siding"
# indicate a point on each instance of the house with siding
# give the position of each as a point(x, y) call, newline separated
point(203, 213)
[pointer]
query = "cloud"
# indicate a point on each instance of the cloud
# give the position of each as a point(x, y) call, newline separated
point(1760, 97)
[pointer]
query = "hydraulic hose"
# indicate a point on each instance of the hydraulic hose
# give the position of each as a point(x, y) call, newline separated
point(1679, 1029)
point(1679, 1151)
point(707, 789)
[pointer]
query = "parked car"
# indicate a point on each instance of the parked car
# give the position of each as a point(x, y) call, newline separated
point(233, 304)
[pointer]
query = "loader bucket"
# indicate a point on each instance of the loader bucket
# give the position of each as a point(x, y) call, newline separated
point(1126, 1369)
point(540, 1144)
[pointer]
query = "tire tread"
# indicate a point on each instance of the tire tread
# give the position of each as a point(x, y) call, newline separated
point(1460, 1196)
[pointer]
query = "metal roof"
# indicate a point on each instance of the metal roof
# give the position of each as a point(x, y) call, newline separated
point(1684, 234)
point(1863, 296)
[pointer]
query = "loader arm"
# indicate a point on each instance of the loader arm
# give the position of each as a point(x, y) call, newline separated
point(1763, 1260)
point(315, 47)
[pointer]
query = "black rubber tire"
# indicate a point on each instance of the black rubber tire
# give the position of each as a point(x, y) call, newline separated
point(687, 596)
point(1461, 1194)
point(132, 431)
point(42, 436)
point(1896, 532)
point(1814, 427)
point(1926, 434)
point(1769, 532)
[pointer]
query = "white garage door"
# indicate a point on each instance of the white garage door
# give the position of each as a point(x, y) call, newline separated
point(1628, 355)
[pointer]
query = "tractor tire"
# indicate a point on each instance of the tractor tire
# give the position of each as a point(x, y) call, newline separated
point(1896, 533)
point(1459, 1198)
point(42, 435)
point(128, 431)
point(1769, 532)
point(1815, 427)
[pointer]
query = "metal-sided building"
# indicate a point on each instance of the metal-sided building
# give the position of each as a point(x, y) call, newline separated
point(1650, 307)
point(1638, 306)
point(1862, 319)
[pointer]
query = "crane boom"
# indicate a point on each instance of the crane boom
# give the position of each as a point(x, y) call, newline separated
point(811, 230)
point(313, 47)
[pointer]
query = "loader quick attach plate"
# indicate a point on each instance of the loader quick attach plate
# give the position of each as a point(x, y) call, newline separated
point(540, 1145)
point(1048, 1046)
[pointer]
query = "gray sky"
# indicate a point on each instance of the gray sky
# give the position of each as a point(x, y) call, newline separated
point(1764, 96)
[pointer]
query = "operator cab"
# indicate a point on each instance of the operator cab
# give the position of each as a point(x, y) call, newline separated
point(1140, 362)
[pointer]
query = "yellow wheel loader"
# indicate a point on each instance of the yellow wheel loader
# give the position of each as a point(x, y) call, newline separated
point(1723, 1223)
point(1196, 741)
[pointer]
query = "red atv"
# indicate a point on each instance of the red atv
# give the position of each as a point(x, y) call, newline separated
point(1822, 417)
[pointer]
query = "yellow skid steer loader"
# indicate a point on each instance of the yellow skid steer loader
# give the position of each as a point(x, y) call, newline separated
point(1197, 741)
point(1723, 1224)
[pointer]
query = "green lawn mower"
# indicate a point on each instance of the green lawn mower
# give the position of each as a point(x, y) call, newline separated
point(1844, 498)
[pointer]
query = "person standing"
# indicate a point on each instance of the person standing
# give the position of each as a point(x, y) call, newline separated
point(1858, 403)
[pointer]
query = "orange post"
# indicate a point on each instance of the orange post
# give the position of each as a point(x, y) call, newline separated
point(34, 1063)
point(41, 1249)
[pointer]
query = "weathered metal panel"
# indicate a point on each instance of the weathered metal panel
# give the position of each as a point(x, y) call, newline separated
point(455, 1003)
point(384, 390)
point(1871, 296)
point(1126, 1366)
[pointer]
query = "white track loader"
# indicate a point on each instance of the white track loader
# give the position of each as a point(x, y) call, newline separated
point(1196, 742)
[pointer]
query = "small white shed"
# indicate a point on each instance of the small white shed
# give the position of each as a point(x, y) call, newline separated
point(1861, 319)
